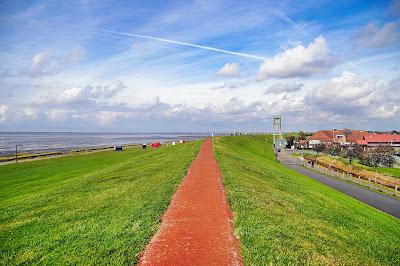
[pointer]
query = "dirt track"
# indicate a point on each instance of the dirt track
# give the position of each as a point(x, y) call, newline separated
point(196, 228)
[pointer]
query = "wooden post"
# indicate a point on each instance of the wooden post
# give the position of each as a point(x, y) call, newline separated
point(369, 181)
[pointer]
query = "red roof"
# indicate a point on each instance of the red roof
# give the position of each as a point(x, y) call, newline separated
point(362, 142)
point(354, 135)
point(322, 135)
point(382, 138)
point(351, 136)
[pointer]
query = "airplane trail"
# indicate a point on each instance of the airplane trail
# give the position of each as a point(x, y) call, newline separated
point(186, 44)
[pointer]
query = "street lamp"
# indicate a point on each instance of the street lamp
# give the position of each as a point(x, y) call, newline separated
point(16, 152)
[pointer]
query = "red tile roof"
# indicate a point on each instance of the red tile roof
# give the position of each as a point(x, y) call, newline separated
point(328, 135)
point(355, 135)
point(382, 138)
point(322, 135)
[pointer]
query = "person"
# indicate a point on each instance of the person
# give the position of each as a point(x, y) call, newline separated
point(144, 146)
point(312, 163)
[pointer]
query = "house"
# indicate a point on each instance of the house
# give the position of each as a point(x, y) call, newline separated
point(373, 140)
point(342, 137)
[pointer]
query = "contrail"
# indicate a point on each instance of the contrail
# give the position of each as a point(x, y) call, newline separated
point(186, 44)
point(377, 58)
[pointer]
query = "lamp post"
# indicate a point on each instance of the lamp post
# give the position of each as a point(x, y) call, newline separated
point(16, 153)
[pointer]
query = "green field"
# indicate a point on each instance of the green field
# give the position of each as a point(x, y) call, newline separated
point(103, 208)
point(395, 172)
point(100, 208)
point(282, 217)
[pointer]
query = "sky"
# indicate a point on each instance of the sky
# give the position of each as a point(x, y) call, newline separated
point(150, 66)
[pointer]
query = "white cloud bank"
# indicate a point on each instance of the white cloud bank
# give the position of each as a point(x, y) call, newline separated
point(3, 113)
point(282, 87)
point(83, 95)
point(299, 61)
point(229, 70)
point(351, 96)
point(372, 36)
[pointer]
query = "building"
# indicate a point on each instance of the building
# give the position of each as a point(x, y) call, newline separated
point(342, 137)
point(373, 140)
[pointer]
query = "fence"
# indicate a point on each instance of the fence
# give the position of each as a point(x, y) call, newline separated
point(373, 183)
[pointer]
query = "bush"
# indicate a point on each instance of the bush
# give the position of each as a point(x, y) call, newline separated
point(319, 148)
point(334, 150)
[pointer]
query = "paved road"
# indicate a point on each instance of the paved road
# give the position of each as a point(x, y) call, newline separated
point(382, 202)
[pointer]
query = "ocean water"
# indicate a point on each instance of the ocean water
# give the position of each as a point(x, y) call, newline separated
point(60, 141)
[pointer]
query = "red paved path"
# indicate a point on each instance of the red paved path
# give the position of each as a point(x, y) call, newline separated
point(196, 228)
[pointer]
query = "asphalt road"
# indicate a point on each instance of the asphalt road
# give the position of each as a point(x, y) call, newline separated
point(382, 202)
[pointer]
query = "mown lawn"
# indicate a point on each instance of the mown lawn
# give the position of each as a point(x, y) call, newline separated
point(285, 218)
point(95, 209)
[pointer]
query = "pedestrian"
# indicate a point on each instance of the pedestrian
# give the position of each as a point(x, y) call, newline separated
point(144, 146)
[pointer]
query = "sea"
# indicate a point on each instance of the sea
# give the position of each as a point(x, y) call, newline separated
point(34, 142)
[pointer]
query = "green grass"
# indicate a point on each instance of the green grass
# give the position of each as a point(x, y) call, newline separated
point(284, 218)
point(395, 172)
point(95, 209)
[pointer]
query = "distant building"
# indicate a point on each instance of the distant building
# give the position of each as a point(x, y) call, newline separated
point(342, 137)
point(373, 140)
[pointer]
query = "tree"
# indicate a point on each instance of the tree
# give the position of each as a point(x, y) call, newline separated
point(302, 135)
point(334, 150)
point(290, 141)
point(387, 160)
point(353, 152)
point(319, 148)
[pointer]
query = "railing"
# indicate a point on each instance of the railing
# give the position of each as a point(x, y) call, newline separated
point(373, 183)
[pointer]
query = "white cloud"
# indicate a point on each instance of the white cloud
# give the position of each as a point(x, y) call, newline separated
point(58, 114)
point(352, 96)
point(83, 95)
point(372, 36)
point(229, 70)
point(282, 87)
point(239, 84)
point(386, 111)
point(30, 113)
point(3, 113)
point(106, 118)
point(299, 61)
point(43, 64)
point(46, 63)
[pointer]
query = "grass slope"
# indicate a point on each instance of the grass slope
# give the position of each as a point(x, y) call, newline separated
point(100, 208)
point(283, 217)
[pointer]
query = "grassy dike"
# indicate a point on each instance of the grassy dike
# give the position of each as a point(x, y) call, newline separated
point(95, 209)
point(285, 218)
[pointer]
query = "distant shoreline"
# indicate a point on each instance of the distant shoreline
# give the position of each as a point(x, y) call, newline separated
point(30, 143)
point(40, 155)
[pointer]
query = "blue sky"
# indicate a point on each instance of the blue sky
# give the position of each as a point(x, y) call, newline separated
point(199, 65)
